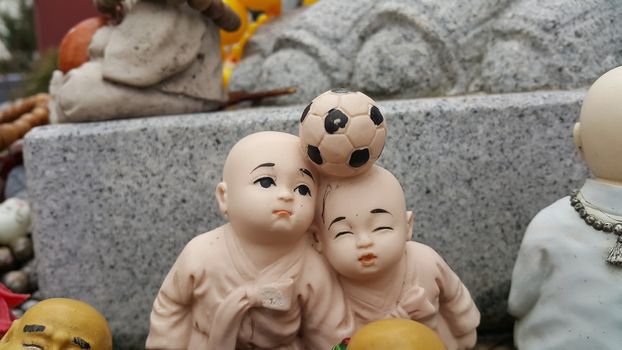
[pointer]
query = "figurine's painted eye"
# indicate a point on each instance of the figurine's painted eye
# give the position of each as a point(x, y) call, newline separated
point(344, 233)
point(303, 190)
point(265, 182)
point(381, 228)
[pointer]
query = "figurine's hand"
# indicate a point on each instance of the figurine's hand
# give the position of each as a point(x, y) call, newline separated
point(467, 341)
point(112, 8)
point(415, 306)
point(219, 12)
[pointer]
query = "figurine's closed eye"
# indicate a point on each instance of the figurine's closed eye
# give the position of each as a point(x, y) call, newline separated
point(303, 190)
point(343, 233)
point(265, 182)
point(32, 346)
point(382, 228)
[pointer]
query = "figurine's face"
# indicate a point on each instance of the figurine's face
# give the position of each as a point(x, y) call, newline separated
point(365, 226)
point(270, 189)
point(59, 324)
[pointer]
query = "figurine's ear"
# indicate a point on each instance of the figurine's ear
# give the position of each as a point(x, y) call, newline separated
point(576, 136)
point(221, 197)
point(313, 234)
point(410, 220)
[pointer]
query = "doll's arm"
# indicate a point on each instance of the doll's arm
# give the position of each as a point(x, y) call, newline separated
point(457, 307)
point(325, 320)
point(171, 317)
point(530, 269)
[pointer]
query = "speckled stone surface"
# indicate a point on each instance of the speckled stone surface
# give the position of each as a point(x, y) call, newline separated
point(115, 202)
point(422, 48)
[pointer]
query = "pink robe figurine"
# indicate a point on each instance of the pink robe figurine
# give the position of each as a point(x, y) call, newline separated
point(365, 234)
point(256, 282)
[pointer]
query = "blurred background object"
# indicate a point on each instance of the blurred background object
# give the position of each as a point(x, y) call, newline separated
point(30, 32)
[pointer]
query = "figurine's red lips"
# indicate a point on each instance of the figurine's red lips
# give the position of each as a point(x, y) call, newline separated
point(282, 212)
point(368, 259)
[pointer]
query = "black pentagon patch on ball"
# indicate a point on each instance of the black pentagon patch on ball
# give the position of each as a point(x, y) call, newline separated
point(341, 91)
point(314, 154)
point(375, 115)
point(359, 158)
point(335, 120)
point(305, 112)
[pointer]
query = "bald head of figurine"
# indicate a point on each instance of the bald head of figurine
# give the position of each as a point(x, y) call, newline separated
point(59, 324)
point(598, 134)
point(363, 224)
point(268, 189)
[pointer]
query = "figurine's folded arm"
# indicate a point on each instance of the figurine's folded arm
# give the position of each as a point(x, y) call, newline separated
point(457, 307)
point(171, 316)
point(531, 267)
point(326, 319)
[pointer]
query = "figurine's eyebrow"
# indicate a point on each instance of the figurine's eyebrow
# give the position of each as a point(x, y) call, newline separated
point(263, 165)
point(380, 211)
point(31, 328)
point(83, 344)
point(336, 220)
point(306, 171)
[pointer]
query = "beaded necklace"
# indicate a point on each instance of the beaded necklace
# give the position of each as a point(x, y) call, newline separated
point(600, 221)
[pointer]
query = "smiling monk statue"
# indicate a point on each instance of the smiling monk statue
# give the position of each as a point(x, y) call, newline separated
point(365, 233)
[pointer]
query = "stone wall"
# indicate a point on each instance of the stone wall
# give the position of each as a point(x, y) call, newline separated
point(423, 48)
point(115, 202)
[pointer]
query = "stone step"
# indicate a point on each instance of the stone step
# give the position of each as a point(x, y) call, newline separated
point(115, 202)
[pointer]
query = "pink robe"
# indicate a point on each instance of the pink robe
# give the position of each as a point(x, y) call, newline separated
point(430, 293)
point(215, 298)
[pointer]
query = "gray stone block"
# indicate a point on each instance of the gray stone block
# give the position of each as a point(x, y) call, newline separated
point(115, 202)
point(422, 48)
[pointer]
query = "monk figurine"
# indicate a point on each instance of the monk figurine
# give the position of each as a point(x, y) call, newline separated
point(162, 58)
point(365, 233)
point(255, 282)
point(566, 288)
point(61, 324)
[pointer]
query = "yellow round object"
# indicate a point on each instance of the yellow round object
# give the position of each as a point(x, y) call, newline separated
point(395, 334)
point(272, 7)
point(228, 38)
point(57, 323)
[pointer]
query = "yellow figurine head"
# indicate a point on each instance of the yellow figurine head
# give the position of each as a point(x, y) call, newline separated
point(59, 324)
point(395, 334)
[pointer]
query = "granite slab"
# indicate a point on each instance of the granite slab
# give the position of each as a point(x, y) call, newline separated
point(115, 202)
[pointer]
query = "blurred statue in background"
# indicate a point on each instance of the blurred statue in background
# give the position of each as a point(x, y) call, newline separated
point(59, 323)
point(423, 48)
point(163, 57)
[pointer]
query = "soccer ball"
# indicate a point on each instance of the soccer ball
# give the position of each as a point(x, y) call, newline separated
point(342, 132)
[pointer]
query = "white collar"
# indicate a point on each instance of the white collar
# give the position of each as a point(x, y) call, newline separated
point(607, 197)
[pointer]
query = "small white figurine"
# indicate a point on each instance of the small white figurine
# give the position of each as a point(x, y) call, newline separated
point(14, 220)
point(567, 282)
point(255, 282)
point(365, 233)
